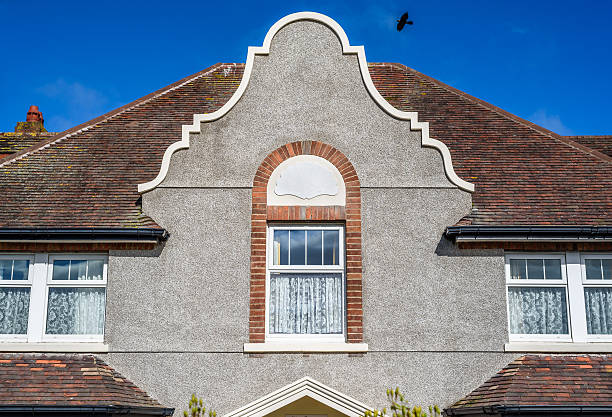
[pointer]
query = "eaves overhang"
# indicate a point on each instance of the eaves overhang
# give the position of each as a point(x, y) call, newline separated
point(531, 410)
point(90, 411)
point(530, 233)
point(98, 235)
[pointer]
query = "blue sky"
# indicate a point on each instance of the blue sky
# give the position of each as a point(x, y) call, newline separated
point(547, 61)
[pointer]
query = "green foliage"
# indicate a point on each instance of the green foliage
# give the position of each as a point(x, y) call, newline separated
point(400, 407)
point(197, 408)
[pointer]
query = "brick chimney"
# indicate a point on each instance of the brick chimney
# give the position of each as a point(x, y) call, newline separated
point(34, 122)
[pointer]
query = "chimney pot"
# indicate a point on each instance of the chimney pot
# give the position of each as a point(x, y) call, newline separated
point(34, 115)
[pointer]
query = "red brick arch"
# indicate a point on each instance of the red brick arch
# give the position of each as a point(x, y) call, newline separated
point(350, 214)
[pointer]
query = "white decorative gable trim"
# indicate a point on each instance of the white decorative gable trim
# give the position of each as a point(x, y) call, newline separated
point(347, 49)
point(305, 387)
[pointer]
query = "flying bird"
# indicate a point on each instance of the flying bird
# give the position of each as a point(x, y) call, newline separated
point(403, 21)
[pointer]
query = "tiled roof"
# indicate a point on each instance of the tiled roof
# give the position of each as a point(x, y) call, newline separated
point(602, 143)
point(88, 176)
point(544, 380)
point(12, 142)
point(67, 381)
point(524, 174)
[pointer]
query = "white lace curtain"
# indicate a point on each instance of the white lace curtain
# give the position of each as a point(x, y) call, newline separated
point(537, 310)
point(306, 303)
point(14, 308)
point(598, 305)
point(75, 311)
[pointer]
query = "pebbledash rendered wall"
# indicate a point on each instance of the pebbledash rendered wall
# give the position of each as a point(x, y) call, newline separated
point(434, 316)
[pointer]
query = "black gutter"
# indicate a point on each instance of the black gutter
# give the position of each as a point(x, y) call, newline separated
point(533, 410)
point(103, 410)
point(556, 233)
point(87, 234)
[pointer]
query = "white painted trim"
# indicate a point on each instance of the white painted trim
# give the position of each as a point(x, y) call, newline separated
point(54, 347)
point(310, 347)
point(299, 389)
point(554, 347)
point(347, 49)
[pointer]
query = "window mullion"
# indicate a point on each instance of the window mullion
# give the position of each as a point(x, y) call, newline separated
point(37, 298)
point(576, 297)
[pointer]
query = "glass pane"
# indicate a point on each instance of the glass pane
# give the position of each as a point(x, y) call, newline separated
point(315, 247)
point(607, 268)
point(535, 310)
point(14, 308)
point(20, 270)
point(280, 247)
point(518, 269)
point(593, 268)
point(95, 269)
point(331, 239)
point(75, 311)
point(306, 303)
point(553, 268)
point(598, 305)
point(298, 247)
point(60, 269)
point(78, 270)
point(535, 269)
point(6, 265)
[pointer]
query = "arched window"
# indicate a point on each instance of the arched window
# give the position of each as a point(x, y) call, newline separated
point(306, 266)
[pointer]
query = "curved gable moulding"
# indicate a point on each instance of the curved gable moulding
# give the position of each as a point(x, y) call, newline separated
point(347, 49)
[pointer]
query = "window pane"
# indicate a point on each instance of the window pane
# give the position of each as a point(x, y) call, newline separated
point(280, 247)
point(598, 305)
point(535, 310)
point(535, 269)
point(14, 308)
point(331, 247)
point(95, 269)
point(298, 247)
point(553, 268)
point(315, 247)
point(75, 311)
point(306, 304)
point(20, 269)
point(60, 269)
point(518, 269)
point(6, 265)
point(593, 268)
point(78, 270)
point(607, 268)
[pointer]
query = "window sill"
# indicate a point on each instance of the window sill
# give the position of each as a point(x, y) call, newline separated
point(276, 347)
point(559, 347)
point(68, 347)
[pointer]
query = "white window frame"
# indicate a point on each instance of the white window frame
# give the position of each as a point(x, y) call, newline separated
point(40, 280)
point(271, 268)
point(19, 284)
point(539, 283)
point(590, 284)
point(574, 280)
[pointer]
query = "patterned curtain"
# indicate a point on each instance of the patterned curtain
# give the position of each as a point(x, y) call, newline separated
point(306, 303)
point(14, 308)
point(537, 310)
point(598, 304)
point(75, 310)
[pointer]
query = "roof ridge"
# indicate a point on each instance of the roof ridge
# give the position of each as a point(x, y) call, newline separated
point(542, 130)
point(109, 115)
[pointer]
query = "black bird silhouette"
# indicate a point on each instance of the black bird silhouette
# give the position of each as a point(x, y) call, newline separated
point(403, 21)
